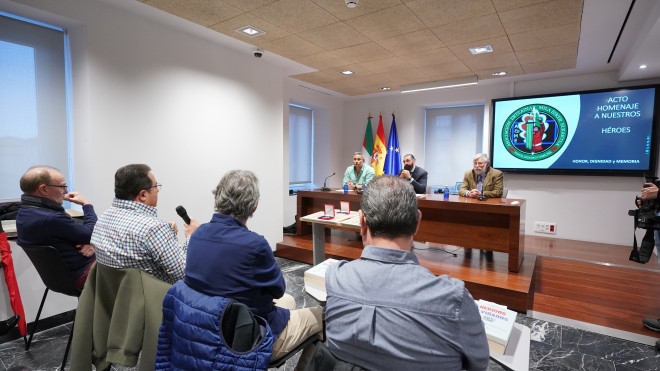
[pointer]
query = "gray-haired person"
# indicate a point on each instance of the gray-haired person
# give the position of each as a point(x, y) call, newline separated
point(226, 259)
point(482, 179)
point(385, 311)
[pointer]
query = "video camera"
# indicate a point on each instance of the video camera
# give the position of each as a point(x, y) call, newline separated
point(646, 216)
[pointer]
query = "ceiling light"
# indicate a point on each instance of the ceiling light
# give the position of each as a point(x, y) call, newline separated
point(347, 72)
point(481, 49)
point(465, 81)
point(501, 73)
point(643, 66)
point(385, 88)
point(250, 31)
point(351, 3)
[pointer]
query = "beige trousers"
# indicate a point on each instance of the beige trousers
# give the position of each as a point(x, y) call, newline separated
point(302, 324)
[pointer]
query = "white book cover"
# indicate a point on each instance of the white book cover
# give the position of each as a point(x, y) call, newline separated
point(314, 279)
point(320, 269)
point(498, 321)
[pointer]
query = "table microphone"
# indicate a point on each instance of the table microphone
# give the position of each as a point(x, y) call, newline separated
point(326, 179)
point(183, 214)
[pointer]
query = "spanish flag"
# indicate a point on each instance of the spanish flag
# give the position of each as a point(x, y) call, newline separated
point(380, 150)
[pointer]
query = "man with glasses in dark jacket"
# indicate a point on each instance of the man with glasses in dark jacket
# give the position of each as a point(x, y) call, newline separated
point(42, 220)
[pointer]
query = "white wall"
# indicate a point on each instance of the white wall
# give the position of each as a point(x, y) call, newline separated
point(328, 137)
point(146, 92)
point(584, 208)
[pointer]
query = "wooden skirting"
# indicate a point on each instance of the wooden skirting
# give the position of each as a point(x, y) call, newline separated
point(571, 279)
point(615, 297)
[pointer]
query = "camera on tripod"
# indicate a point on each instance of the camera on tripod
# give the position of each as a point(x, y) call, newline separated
point(646, 216)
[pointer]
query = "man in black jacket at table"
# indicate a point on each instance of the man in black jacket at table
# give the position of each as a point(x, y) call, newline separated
point(415, 174)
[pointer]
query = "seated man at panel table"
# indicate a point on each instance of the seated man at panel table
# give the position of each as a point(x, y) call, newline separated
point(482, 179)
point(41, 220)
point(130, 235)
point(415, 174)
point(358, 174)
point(385, 311)
point(226, 259)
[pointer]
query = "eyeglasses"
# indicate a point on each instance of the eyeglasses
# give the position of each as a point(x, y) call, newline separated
point(157, 186)
point(57, 186)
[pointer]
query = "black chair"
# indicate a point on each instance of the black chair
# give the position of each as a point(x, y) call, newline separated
point(241, 331)
point(324, 360)
point(56, 276)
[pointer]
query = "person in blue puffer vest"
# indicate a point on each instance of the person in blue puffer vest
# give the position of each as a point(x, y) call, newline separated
point(197, 333)
point(226, 259)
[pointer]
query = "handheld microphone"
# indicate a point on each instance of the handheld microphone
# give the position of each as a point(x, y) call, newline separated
point(183, 214)
point(326, 179)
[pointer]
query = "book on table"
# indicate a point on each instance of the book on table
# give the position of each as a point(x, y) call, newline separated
point(314, 279)
point(498, 323)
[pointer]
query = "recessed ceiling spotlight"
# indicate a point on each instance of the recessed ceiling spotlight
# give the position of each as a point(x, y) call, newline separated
point(250, 31)
point(501, 73)
point(385, 88)
point(481, 49)
point(347, 72)
point(642, 66)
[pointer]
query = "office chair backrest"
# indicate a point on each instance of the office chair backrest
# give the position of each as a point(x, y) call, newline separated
point(51, 268)
point(240, 328)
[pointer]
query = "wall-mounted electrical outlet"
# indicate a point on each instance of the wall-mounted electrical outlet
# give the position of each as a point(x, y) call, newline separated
point(545, 227)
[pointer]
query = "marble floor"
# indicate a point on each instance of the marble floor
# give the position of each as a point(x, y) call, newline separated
point(553, 346)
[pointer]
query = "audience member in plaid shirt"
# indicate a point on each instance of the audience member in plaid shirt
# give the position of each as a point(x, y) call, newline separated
point(130, 235)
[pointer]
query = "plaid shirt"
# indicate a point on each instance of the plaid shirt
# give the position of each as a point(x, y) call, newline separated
point(130, 235)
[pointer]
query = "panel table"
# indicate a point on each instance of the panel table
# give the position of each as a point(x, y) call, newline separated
point(496, 224)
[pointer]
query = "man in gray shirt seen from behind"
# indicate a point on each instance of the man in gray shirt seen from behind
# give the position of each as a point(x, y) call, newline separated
point(386, 312)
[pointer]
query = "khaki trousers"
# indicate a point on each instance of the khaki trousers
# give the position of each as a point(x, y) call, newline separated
point(302, 324)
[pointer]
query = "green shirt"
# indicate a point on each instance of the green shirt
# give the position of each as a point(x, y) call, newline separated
point(366, 174)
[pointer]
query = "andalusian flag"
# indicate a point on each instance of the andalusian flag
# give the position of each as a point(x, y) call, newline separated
point(368, 142)
point(393, 158)
point(380, 151)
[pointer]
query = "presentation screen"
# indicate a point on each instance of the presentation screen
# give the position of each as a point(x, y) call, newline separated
point(605, 132)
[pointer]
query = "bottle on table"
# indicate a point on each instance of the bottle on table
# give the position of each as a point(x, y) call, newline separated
point(446, 192)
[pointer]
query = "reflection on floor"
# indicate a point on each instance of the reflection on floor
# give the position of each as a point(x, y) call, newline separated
point(553, 347)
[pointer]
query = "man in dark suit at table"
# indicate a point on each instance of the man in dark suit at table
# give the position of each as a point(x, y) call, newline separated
point(415, 174)
point(482, 179)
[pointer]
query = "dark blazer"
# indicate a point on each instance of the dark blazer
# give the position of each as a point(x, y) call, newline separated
point(419, 178)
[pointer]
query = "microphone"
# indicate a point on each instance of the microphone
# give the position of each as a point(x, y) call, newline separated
point(183, 214)
point(326, 179)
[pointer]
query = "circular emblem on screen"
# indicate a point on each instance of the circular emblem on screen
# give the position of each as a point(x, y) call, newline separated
point(534, 132)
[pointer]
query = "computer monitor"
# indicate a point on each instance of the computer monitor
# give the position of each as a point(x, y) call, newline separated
point(454, 190)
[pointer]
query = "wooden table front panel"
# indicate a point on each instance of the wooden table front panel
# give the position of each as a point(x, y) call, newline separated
point(495, 224)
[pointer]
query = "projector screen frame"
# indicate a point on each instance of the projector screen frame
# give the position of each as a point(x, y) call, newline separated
point(653, 159)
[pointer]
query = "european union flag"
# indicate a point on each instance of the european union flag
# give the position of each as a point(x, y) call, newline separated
point(393, 159)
